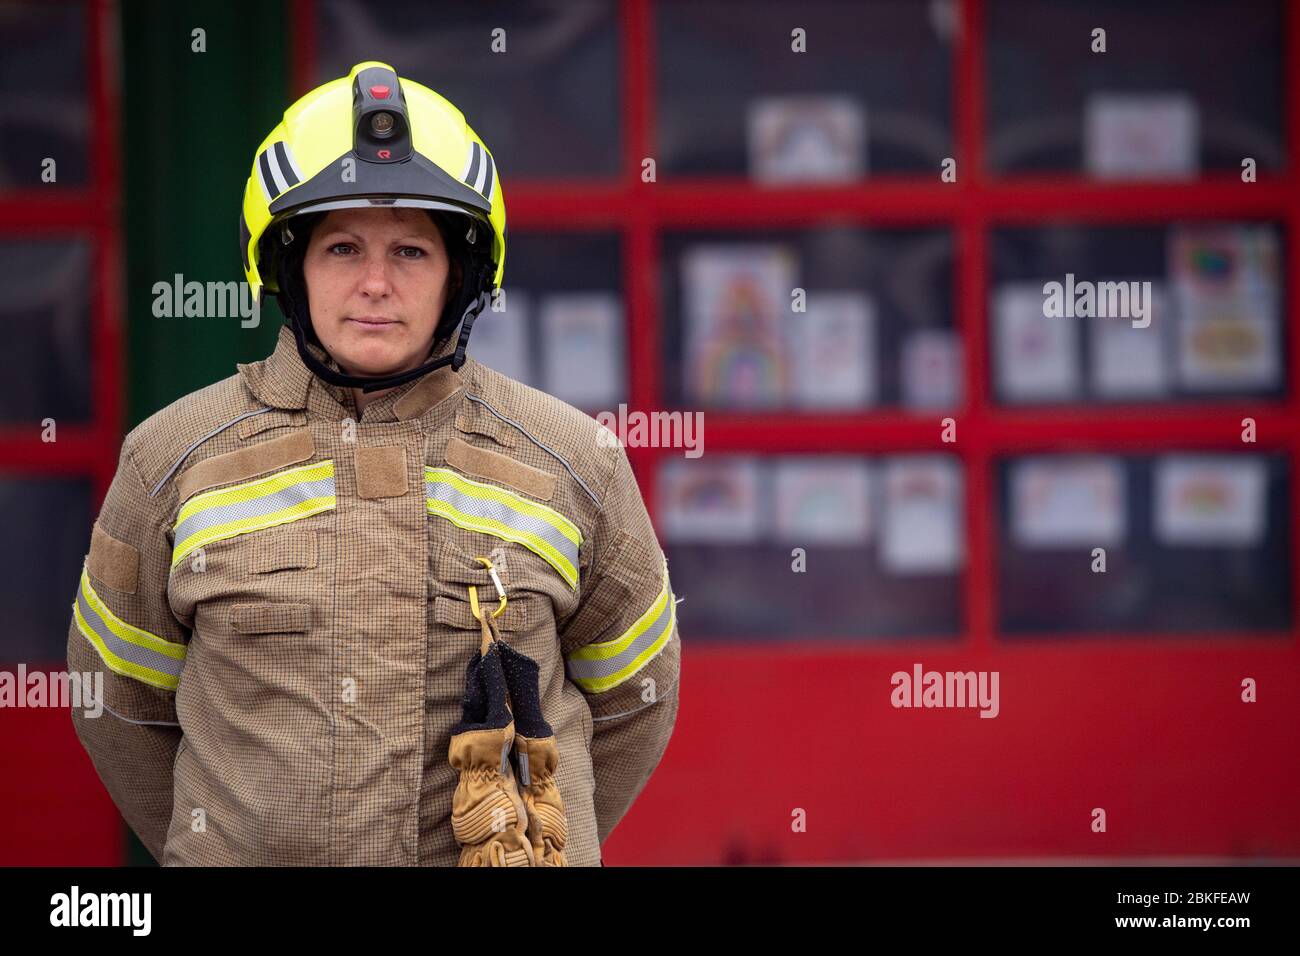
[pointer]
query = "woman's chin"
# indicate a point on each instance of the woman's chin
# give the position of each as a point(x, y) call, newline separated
point(372, 353)
point(372, 362)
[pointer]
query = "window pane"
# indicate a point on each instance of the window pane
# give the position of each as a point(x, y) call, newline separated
point(880, 544)
point(871, 326)
point(563, 329)
point(877, 77)
point(47, 532)
point(45, 322)
point(1185, 312)
point(1183, 86)
point(1193, 542)
point(546, 106)
point(43, 85)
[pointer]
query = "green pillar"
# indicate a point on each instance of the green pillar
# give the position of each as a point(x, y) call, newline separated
point(190, 123)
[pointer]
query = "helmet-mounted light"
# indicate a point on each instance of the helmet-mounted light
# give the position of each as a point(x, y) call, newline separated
point(381, 129)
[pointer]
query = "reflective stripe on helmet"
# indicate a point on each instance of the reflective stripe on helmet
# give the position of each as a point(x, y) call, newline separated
point(125, 649)
point(601, 667)
point(276, 170)
point(277, 499)
point(489, 509)
point(269, 186)
point(288, 168)
point(480, 171)
point(490, 173)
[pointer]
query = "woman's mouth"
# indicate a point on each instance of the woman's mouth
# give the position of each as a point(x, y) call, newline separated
point(371, 321)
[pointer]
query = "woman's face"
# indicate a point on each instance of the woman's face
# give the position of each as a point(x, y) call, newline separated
point(376, 284)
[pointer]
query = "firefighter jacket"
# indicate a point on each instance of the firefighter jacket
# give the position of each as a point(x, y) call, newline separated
point(276, 594)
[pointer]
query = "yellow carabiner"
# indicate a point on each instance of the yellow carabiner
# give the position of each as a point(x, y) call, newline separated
point(473, 593)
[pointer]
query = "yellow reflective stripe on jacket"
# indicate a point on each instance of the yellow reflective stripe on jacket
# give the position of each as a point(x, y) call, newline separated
point(227, 512)
point(601, 667)
point(126, 650)
point(489, 509)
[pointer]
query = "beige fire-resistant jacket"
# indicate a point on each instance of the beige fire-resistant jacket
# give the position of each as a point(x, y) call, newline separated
point(275, 592)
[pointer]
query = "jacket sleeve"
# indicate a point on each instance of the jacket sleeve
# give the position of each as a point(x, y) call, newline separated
point(122, 627)
point(622, 649)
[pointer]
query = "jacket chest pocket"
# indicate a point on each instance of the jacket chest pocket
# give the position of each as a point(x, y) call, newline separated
point(270, 618)
point(498, 514)
point(233, 624)
point(527, 622)
point(285, 551)
point(217, 517)
point(260, 540)
point(257, 586)
point(500, 509)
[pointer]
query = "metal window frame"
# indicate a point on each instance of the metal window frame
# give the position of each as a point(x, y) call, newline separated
point(972, 207)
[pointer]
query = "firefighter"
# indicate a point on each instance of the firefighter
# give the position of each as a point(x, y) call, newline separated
point(276, 587)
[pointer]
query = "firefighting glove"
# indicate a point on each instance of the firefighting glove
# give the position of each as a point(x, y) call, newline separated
point(488, 814)
point(538, 755)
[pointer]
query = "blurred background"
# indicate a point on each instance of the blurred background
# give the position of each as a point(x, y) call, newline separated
point(944, 458)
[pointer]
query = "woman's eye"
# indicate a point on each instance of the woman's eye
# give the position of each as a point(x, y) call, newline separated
point(339, 245)
point(418, 252)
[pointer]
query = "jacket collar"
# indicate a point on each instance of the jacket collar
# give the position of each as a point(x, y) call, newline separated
point(282, 381)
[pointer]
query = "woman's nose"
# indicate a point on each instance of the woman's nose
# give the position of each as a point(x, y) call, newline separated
point(375, 281)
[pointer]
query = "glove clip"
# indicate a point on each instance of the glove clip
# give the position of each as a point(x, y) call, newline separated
point(501, 592)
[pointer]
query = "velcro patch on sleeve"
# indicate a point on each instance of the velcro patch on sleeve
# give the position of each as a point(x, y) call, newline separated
point(114, 563)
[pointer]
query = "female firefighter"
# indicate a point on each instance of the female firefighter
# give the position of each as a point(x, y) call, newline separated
point(368, 601)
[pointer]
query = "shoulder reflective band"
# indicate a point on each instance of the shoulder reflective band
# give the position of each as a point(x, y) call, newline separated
point(254, 505)
point(125, 649)
point(601, 667)
point(476, 506)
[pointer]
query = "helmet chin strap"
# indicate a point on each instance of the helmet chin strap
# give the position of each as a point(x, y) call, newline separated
point(370, 383)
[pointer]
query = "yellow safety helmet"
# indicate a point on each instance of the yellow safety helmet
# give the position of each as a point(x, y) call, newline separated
point(373, 139)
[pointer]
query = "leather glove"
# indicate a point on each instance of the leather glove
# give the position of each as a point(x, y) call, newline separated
point(538, 756)
point(488, 814)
